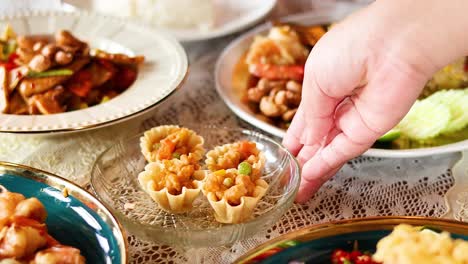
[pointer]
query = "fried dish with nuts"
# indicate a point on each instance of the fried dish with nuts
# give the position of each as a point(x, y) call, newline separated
point(42, 74)
point(23, 233)
point(275, 64)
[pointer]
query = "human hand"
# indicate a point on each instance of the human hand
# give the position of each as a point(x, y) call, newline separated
point(364, 75)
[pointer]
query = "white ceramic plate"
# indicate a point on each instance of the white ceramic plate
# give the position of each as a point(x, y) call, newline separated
point(232, 97)
point(162, 73)
point(231, 16)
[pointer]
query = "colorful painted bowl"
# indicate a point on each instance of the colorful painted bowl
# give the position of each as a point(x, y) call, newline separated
point(77, 219)
point(316, 243)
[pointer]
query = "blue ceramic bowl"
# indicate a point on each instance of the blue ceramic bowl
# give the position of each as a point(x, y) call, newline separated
point(315, 244)
point(78, 220)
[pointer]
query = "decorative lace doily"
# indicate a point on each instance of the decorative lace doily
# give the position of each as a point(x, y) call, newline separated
point(364, 186)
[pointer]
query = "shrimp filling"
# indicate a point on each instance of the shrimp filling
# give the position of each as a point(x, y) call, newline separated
point(23, 233)
point(173, 145)
point(230, 185)
point(175, 176)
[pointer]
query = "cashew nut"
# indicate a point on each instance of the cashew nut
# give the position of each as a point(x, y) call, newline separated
point(63, 58)
point(266, 84)
point(255, 94)
point(269, 108)
point(280, 97)
point(49, 50)
point(25, 42)
point(65, 38)
point(293, 98)
point(38, 46)
point(288, 115)
point(39, 63)
point(294, 86)
point(25, 55)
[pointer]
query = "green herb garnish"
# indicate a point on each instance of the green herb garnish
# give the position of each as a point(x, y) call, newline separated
point(244, 168)
point(50, 73)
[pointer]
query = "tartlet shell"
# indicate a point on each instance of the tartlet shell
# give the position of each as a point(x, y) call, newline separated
point(228, 214)
point(155, 134)
point(180, 203)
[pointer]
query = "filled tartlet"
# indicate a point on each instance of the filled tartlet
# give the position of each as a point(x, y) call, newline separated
point(233, 196)
point(172, 142)
point(173, 184)
point(233, 186)
point(229, 156)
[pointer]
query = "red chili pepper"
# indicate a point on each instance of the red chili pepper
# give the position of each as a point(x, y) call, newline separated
point(355, 254)
point(339, 256)
point(80, 83)
point(10, 63)
point(364, 259)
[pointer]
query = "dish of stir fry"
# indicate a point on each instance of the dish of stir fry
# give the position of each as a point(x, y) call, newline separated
point(42, 74)
point(276, 67)
point(23, 233)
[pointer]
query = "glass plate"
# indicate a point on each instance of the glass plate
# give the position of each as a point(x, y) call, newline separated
point(114, 180)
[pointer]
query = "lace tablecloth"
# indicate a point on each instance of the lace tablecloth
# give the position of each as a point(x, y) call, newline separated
point(364, 187)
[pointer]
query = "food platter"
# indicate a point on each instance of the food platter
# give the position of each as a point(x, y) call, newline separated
point(316, 243)
point(164, 70)
point(229, 16)
point(75, 217)
point(237, 15)
point(233, 93)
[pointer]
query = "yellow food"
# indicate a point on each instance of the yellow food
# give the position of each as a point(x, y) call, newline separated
point(229, 156)
point(409, 245)
point(173, 184)
point(171, 142)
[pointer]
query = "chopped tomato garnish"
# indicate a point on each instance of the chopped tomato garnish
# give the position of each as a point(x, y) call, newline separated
point(247, 148)
point(277, 72)
point(10, 63)
point(80, 83)
point(166, 149)
point(339, 256)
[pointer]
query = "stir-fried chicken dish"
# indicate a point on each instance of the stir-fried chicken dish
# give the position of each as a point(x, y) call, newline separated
point(23, 233)
point(276, 67)
point(54, 74)
point(275, 64)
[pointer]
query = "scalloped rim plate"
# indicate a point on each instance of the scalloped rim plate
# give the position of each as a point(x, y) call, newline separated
point(230, 57)
point(164, 70)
